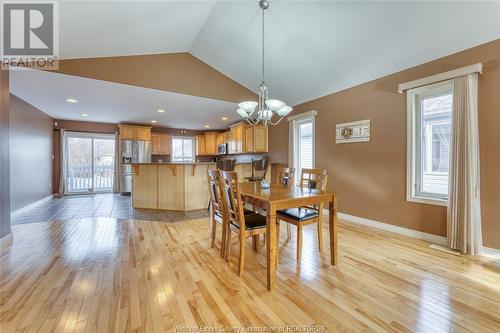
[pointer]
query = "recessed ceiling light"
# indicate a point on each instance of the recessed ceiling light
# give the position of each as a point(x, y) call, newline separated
point(84, 115)
point(225, 118)
point(71, 100)
point(154, 121)
point(161, 110)
point(207, 126)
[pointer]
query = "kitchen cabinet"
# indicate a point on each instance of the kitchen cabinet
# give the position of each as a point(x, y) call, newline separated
point(256, 138)
point(210, 143)
point(161, 144)
point(200, 145)
point(260, 139)
point(236, 139)
point(137, 133)
point(222, 138)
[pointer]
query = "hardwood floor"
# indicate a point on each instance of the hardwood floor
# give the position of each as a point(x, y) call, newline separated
point(111, 275)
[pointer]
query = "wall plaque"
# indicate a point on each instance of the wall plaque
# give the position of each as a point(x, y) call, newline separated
point(355, 131)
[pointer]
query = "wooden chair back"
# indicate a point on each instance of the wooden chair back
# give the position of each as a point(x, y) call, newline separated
point(232, 202)
point(226, 165)
point(285, 175)
point(214, 187)
point(260, 167)
point(314, 179)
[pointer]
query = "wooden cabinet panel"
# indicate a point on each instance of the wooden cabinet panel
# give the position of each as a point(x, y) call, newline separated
point(231, 147)
point(143, 134)
point(210, 143)
point(166, 144)
point(236, 139)
point(145, 186)
point(132, 132)
point(249, 138)
point(171, 189)
point(155, 144)
point(127, 133)
point(161, 144)
point(260, 139)
point(200, 145)
point(196, 185)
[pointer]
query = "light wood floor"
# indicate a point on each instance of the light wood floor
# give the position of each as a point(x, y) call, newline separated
point(108, 275)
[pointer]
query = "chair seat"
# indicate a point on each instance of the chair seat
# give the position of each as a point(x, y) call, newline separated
point(245, 211)
point(253, 221)
point(299, 214)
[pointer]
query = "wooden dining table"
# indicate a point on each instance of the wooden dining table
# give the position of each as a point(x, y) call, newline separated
point(278, 197)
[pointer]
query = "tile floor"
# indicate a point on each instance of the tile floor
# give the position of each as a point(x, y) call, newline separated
point(99, 205)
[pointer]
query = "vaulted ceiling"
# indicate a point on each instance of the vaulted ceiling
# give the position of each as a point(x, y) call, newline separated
point(313, 48)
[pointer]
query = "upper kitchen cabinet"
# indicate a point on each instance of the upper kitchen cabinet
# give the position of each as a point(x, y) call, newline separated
point(222, 138)
point(161, 144)
point(210, 143)
point(137, 133)
point(200, 145)
point(256, 139)
point(236, 139)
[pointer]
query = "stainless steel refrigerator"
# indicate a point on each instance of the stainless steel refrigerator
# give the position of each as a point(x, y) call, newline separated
point(132, 152)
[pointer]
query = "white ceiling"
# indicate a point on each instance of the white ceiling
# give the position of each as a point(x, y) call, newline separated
point(313, 48)
point(112, 102)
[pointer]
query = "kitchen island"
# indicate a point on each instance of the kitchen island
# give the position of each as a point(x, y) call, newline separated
point(175, 186)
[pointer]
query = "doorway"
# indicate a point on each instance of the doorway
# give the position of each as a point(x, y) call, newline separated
point(90, 162)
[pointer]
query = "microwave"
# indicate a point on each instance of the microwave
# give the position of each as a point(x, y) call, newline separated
point(222, 149)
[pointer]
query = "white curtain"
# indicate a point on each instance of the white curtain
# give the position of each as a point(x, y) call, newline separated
point(291, 147)
point(62, 163)
point(464, 206)
point(116, 173)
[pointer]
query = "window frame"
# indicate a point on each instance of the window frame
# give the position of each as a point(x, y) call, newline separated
point(295, 121)
point(414, 129)
point(193, 139)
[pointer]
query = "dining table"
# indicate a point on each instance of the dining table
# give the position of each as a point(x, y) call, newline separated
point(277, 197)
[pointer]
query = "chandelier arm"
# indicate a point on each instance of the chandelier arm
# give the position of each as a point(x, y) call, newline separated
point(276, 123)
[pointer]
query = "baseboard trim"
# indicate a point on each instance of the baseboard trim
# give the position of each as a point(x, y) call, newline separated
point(6, 238)
point(392, 228)
point(31, 205)
point(490, 252)
point(439, 240)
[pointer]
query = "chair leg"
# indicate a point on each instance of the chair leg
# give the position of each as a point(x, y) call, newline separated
point(228, 244)
point(299, 242)
point(277, 242)
point(256, 242)
point(320, 235)
point(288, 231)
point(214, 231)
point(242, 255)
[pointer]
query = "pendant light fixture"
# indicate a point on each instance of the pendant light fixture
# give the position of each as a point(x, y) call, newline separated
point(266, 111)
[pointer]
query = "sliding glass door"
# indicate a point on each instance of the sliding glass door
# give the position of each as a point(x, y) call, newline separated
point(90, 160)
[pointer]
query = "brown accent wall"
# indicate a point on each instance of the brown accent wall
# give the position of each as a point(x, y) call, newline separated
point(30, 154)
point(4, 155)
point(371, 177)
point(176, 72)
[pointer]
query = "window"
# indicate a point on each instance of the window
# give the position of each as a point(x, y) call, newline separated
point(183, 149)
point(429, 133)
point(302, 137)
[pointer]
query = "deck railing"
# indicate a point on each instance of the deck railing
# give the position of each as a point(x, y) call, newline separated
point(79, 178)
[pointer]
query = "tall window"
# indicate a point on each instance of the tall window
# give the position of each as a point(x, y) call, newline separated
point(183, 149)
point(302, 137)
point(429, 128)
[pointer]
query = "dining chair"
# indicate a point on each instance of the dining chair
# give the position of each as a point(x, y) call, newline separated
point(285, 176)
point(243, 225)
point(301, 216)
point(259, 170)
point(216, 214)
point(226, 165)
